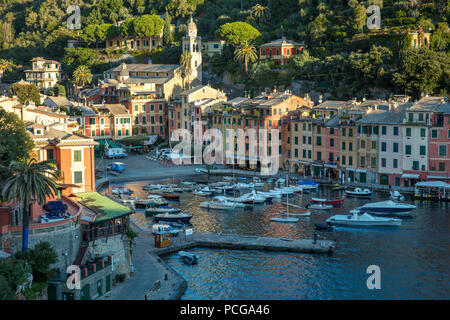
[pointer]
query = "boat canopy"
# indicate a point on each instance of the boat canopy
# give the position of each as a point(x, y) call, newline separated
point(433, 184)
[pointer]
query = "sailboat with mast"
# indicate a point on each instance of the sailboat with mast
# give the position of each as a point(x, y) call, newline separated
point(286, 215)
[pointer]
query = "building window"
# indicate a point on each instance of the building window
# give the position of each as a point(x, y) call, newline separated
point(395, 147)
point(91, 120)
point(415, 165)
point(350, 132)
point(350, 146)
point(410, 117)
point(395, 163)
point(422, 150)
point(343, 132)
point(383, 162)
point(408, 132)
point(78, 177)
point(362, 161)
point(350, 160)
point(319, 155)
point(296, 153)
point(343, 146)
point(77, 155)
point(383, 146)
point(422, 132)
point(383, 130)
point(343, 160)
point(443, 151)
point(395, 131)
point(373, 162)
point(363, 144)
point(331, 142)
point(319, 141)
point(374, 144)
point(50, 154)
point(295, 139)
point(441, 166)
point(408, 150)
point(434, 134)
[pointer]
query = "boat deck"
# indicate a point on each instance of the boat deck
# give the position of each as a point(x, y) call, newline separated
point(237, 242)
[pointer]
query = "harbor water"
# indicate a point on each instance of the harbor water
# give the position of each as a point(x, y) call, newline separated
point(413, 259)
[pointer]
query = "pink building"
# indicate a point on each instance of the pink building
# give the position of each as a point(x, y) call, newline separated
point(439, 144)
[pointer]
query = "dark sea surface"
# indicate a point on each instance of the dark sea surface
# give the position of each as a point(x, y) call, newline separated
point(414, 259)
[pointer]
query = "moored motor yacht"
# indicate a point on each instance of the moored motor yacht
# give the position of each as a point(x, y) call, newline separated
point(363, 220)
point(387, 207)
point(218, 203)
point(160, 209)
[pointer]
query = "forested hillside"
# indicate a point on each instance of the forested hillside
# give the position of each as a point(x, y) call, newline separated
point(342, 57)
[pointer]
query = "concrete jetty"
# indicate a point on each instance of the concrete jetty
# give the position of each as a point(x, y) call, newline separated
point(239, 242)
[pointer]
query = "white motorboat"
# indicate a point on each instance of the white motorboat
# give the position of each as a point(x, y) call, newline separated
point(284, 191)
point(161, 209)
point(121, 190)
point(280, 181)
point(358, 192)
point(308, 185)
point(396, 196)
point(188, 258)
point(363, 220)
point(284, 219)
point(388, 207)
point(248, 198)
point(180, 217)
point(218, 203)
point(227, 178)
point(157, 227)
point(320, 206)
point(202, 193)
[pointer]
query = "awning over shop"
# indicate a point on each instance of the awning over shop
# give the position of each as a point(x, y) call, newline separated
point(410, 176)
point(330, 166)
point(361, 170)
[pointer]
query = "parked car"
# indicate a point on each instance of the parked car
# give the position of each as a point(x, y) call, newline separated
point(115, 153)
point(116, 166)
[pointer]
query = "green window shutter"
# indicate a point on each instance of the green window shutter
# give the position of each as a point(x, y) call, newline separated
point(408, 149)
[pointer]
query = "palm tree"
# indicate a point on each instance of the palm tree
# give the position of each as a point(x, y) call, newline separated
point(30, 181)
point(186, 66)
point(261, 13)
point(82, 75)
point(5, 65)
point(246, 52)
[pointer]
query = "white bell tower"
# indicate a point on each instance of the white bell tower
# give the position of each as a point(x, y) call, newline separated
point(193, 44)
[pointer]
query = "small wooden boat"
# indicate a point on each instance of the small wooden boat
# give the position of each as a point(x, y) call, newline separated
point(359, 193)
point(326, 201)
point(171, 196)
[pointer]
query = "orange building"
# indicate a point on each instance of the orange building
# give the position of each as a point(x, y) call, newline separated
point(280, 50)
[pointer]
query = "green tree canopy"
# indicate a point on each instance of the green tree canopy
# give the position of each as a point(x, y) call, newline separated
point(423, 71)
point(237, 33)
point(15, 142)
point(148, 25)
point(26, 93)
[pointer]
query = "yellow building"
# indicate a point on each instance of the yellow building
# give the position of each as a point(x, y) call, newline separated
point(44, 74)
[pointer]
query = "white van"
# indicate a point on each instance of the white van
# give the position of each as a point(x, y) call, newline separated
point(114, 153)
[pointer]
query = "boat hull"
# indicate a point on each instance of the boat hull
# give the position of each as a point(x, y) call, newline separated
point(161, 218)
